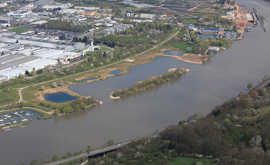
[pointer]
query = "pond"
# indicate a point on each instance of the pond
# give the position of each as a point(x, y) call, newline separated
point(173, 53)
point(115, 72)
point(59, 97)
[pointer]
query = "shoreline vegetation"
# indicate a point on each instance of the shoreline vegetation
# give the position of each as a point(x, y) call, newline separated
point(49, 110)
point(150, 83)
point(29, 90)
point(32, 96)
point(235, 132)
point(173, 145)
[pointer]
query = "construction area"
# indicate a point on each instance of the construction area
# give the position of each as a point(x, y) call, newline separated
point(242, 17)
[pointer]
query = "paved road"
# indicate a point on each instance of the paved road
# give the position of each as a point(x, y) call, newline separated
point(91, 154)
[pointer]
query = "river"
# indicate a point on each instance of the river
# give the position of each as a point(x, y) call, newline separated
point(199, 91)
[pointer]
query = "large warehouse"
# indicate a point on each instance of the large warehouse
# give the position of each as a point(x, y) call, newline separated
point(21, 53)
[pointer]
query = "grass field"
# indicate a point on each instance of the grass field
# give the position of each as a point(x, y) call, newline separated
point(180, 45)
point(8, 96)
point(190, 21)
point(20, 30)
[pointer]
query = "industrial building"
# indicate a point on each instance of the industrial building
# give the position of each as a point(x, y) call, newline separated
point(20, 53)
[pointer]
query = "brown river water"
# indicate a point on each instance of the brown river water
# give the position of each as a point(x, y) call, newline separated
point(199, 91)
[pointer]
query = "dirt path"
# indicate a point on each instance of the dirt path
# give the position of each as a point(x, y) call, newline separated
point(20, 92)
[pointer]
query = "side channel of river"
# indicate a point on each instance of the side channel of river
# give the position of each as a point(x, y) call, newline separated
point(198, 91)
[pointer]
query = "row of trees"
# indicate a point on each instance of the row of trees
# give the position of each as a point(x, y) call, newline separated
point(140, 34)
point(65, 26)
point(81, 104)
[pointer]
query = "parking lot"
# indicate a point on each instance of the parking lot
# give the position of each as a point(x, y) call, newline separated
point(17, 117)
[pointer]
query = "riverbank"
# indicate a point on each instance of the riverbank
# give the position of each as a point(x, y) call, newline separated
point(219, 80)
point(241, 122)
point(207, 80)
point(18, 117)
point(230, 118)
point(199, 43)
point(10, 117)
point(150, 83)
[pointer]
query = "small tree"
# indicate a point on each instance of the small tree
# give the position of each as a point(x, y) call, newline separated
point(34, 162)
point(55, 158)
point(27, 73)
point(88, 150)
point(249, 86)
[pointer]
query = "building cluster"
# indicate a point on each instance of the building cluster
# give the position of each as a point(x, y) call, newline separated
point(29, 52)
point(117, 28)
point(242, 17)
point(40, 48)
point(34, 14)
point(141, 17)
point(213, 33)
point(37, 47)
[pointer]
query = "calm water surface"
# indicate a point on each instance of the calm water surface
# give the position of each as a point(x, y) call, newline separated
point(197, 92)
point(59, 97)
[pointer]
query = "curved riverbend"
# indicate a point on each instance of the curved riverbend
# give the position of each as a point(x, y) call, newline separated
point(197, 92)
